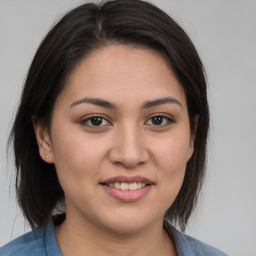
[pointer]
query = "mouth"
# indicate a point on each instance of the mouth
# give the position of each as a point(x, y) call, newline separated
point(127, 188)
point(127, 183)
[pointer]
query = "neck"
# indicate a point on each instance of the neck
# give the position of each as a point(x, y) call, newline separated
point(76, 237)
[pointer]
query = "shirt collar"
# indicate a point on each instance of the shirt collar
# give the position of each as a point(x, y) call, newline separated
point(50, 242)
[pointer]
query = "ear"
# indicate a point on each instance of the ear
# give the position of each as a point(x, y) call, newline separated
point(43, 141)
point(192, 137)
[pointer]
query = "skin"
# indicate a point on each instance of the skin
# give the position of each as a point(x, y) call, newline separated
point(127, 142)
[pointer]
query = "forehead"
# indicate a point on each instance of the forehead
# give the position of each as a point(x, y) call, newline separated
point(123, 73)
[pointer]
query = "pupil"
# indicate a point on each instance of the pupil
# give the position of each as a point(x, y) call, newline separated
point(157, 120)
point(96, 121)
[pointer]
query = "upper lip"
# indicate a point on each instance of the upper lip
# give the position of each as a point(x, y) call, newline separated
point(126, 179)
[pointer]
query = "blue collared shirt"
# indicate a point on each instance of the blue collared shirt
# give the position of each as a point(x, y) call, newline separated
point(42, 242)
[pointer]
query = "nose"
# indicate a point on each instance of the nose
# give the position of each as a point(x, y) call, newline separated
point(128, 148)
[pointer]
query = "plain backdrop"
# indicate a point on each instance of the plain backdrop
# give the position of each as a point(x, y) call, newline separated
point(224, 32)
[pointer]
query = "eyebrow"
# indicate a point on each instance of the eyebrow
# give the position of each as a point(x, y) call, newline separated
point(107, 104)
point(149, 104)
point(95, 101)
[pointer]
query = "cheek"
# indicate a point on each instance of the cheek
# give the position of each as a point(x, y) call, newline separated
point(171, 159)
point(172, 153)
point(76, 159)
point(75, 148)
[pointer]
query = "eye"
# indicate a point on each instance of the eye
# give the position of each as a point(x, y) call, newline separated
point(95, 121)
point(159, 120)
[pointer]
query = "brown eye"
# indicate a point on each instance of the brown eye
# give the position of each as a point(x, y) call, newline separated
point(157, 120)
point(95, 121)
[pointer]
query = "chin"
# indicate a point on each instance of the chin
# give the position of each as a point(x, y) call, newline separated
point(126, 228)
point(129, 223)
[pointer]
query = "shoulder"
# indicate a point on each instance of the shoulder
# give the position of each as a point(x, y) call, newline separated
point(29, 244)
point(194, 247)
point(190, 246)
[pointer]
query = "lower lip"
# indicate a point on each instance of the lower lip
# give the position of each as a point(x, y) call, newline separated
point(127, 195)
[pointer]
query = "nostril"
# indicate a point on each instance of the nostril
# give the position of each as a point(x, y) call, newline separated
point(129, 160)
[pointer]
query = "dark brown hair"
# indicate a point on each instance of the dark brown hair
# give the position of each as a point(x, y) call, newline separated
point(81, 31)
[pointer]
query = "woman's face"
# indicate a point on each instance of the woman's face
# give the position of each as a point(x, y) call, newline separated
point(120, 139)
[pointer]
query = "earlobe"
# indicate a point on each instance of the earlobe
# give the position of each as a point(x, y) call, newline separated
point(43, 141)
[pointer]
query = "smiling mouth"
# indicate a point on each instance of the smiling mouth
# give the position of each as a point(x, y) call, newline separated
point(126, 186)
point(127, 183)
point(127, 189)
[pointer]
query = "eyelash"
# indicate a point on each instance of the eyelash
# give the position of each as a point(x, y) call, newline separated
point(167, 119)
point(164, 117)
point(84, 121)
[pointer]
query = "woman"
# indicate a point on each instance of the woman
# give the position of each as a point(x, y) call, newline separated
point(110, 136)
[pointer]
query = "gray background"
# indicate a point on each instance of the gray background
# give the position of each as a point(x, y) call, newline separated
point(224, 33)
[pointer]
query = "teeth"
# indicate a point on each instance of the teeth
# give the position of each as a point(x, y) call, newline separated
point(124, 186)
point(132, 186)
point(127, 186)
point(117, 185)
